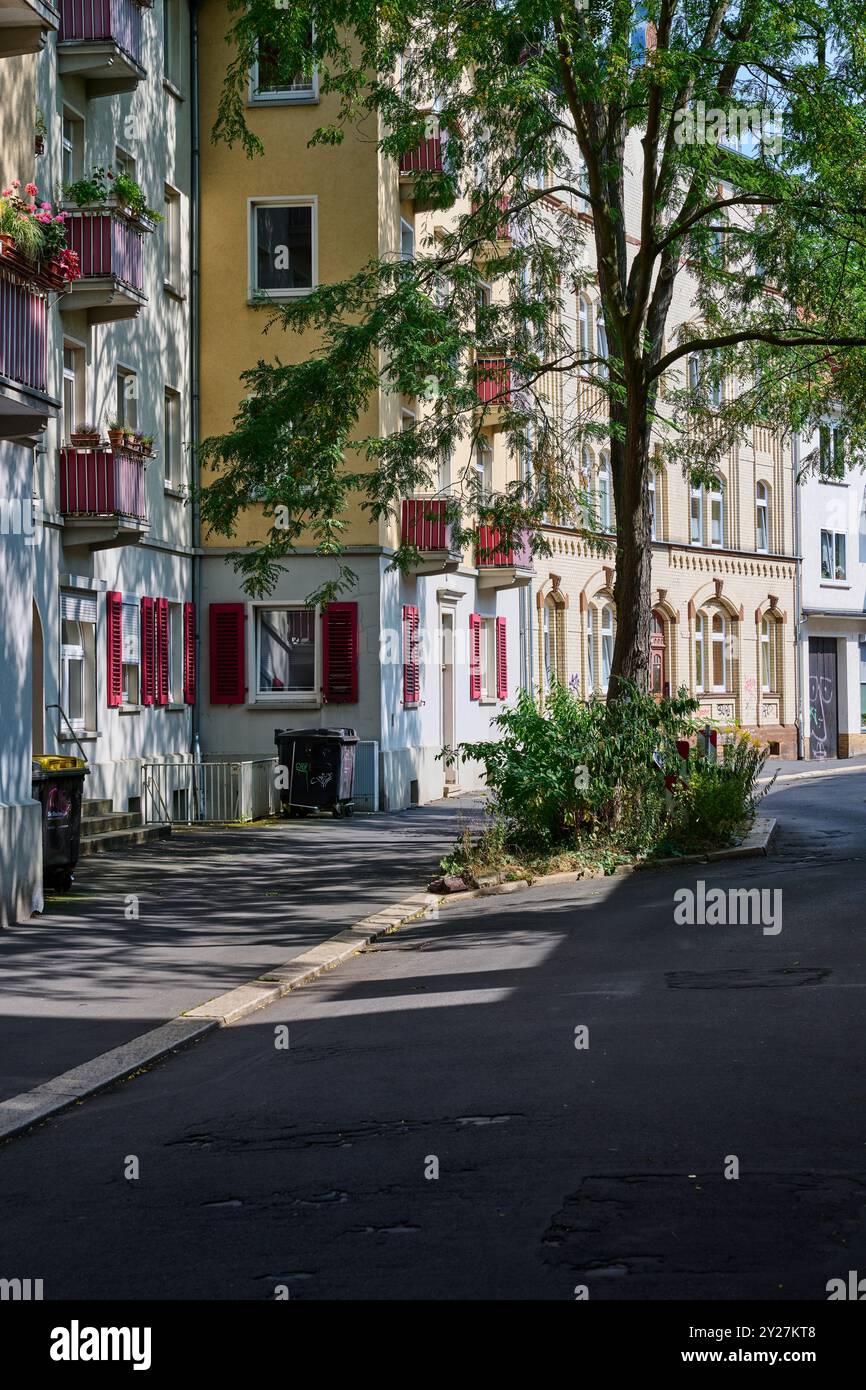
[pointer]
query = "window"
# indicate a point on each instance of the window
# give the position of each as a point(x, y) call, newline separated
point(720, 665)
point(694, 374)
point(768, 655)
point(175, 653)
point(590, 652)
point(73, 390)
point(699, 651)
point(407, 240)
point(285, 651)
point(488, 658)
point(172, 41)
point(583, 325)
point(604, 508)
point(831, 451)
point(602, 347)
point(73, 147)
point(717, 514)
point(124, 162)
point(483, 469)
point(126, 397)
point(652, 503)
point(282, 248)
point(553, 642)
point(483, 302)
point(131, 652)
point(716, 387)
point(171, 269)
point(78, 659)
point(171, 440)
point(863, 682)
point(696, 516)
point(762, 517)
point(657, 657)
point(606, 645)
point(269, 84)
point(833, 562)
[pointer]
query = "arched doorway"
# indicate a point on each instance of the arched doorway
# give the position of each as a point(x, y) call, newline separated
point(658, 663)
point(37, 685)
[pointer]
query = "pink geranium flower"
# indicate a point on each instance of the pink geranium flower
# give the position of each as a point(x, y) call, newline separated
point(31, 189)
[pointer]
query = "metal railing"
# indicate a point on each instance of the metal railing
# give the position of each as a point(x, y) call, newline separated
point(213, 793)
point(102, 482)
point(23, 331)
point(91, 20)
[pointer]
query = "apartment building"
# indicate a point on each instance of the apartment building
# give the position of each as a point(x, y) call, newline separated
point(411, 663)
point(99, 623)
point(723, 562)
point(832, 653)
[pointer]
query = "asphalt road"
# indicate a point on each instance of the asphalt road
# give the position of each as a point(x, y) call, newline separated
point(307, 1167)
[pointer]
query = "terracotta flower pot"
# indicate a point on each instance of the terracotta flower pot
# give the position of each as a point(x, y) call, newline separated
point(84, 441)
point(115, 439)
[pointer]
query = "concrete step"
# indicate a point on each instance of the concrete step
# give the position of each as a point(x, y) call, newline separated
point(122, 839)
point(116, 820)
point(91, 807)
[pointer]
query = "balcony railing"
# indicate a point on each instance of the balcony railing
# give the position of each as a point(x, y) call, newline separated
point(493, 380)
point(117, 21)
point(503, 227)
point(492, 552)
point(108, 245)
point(426, 158)
point(23, 332)
point(102, 482)
point(423, 524)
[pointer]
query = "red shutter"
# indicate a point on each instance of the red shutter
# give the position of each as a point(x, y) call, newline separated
point(161, 612)
point(475, 656)
point(340, 654)
point(411, 668)
point(227, 680)
point(147, 651)
point(501, 659)
point(189, 653)
point(114, 648)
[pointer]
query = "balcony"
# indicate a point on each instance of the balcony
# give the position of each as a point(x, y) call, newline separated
point(500, 566)
point(24, 26)
point(426, 158)
point(498, 246)
point(102, 497)
point(25, 405)
point(100, 41)
point(423, 524)
point(110, 250)
point(493, 388)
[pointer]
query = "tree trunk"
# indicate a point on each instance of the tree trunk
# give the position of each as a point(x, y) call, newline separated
point(632, 590)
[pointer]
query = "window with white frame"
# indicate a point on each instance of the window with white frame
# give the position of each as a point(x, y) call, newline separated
point(271, 84)
point(171, 261)
point(590, 652)
point(124, 161)
point(73, 146)
point(696, 515)
point(652, 502)
point(131, 642)
point(768, 655)
point(719, 652)
point(285, 651)
point(601, 345)
point(603, 490)
point(73, 389)
point(483, 302)
point(716, 497)
point(78, 659)
point(831, 452)
point(694, 369)
point(407, 240)
point(583, 325)
point(488, 658)
point(553, 642)
point(175, 653)
point(172, 460)
point(762, 517)
point(172, 42)
point(483, 469)
point(833, 557)
point(282, 247)
point(606, 627)
point(126, 396)
point(700, 664)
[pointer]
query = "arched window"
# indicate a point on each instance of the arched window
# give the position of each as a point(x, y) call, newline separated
point(717, 513)
point(700, 664)
point(583, 325)
point(658, 663)
point(762, 517)
point(696, 515)
point(606, 645)
point(769, 664)
point(720, 657)
point(603, 489)
point(553, 642)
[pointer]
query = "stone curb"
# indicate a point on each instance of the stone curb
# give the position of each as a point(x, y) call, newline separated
point(20, 1113)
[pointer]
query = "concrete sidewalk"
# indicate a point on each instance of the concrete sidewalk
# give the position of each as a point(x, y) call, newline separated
point(215, 908)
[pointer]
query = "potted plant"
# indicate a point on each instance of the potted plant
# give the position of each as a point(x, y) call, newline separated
point(40, 131)
point(87, 436)
point(147, 445)
point(115, 433)
point(129, 435)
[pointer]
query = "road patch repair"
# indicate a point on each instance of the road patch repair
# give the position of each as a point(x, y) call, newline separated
point(22, 1112)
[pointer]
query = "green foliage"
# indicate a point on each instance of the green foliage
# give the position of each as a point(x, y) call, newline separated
point(719, 799)
point(103, 184)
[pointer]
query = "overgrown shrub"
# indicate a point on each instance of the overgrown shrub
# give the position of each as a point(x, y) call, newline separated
point(719, 798)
